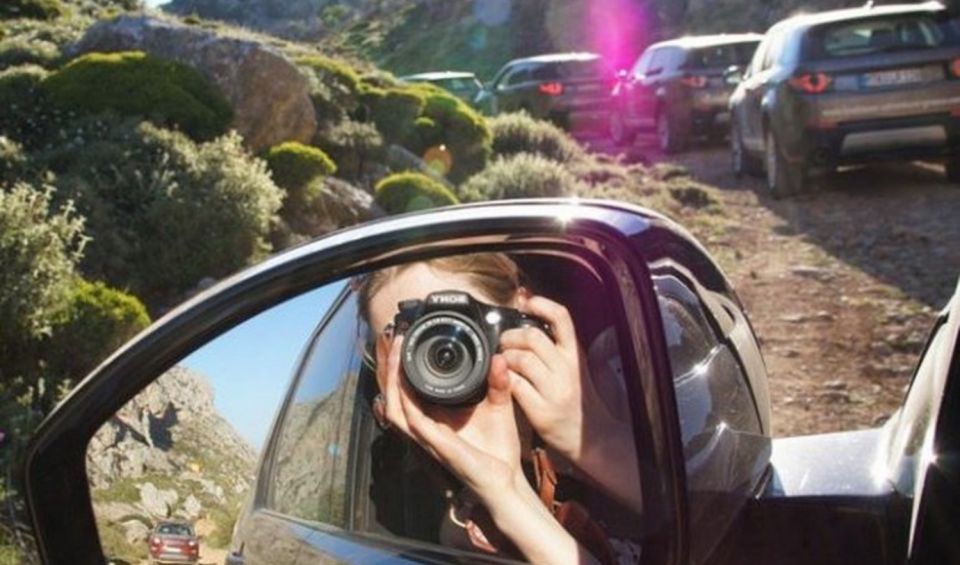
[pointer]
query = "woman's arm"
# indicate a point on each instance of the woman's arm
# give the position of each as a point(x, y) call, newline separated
point(551, 384)
point(483, 450)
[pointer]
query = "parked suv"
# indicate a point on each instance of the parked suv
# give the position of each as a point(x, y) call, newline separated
point(561, 87)
point(173, 542)
point(849, 87)
point(677, 89)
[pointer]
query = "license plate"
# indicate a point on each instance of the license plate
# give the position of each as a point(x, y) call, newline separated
point(902, 76)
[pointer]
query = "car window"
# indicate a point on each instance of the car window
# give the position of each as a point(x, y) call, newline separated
point(658, 61)
point(878, 35)
point(174, 530)
point(720, 56)
point(518, 75)
point(309, 469)
point(772, 53)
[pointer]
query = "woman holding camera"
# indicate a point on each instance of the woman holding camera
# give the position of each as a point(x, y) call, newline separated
point(535, 381)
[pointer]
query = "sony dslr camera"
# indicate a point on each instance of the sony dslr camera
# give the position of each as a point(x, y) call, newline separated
point(449, 340)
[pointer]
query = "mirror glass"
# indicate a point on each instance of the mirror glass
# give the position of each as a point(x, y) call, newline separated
point(424, 400)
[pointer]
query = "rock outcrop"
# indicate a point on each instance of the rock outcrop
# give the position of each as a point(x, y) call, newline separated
point(167, 454)
point(270, 98)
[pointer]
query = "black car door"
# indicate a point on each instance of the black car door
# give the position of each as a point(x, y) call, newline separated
point(930, 438)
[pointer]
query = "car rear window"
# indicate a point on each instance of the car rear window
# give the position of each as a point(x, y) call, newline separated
point(721, 56)
point(593, 69)
point(880, 35)
point(174, 530)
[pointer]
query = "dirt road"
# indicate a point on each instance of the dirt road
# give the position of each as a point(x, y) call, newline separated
point(841, 286)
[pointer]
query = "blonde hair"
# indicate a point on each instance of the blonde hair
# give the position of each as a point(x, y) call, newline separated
point(495, 274)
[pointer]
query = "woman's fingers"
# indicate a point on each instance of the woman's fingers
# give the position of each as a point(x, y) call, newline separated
point(534, 340)
point(558, 317)
point(498, 382)
point(529, 399)
point(391, 385)
point(440, 441)
point(530, 366)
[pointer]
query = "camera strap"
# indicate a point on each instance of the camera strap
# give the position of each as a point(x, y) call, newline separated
point(572, 515)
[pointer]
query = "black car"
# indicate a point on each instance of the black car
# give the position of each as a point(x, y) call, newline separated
point(676, 357)
point(560, 87)
point(677, 89)
point(849, 87)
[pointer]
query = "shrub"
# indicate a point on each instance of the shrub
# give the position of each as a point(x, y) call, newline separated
point(352, 145)
point(395, 112)
point(36, 9)
point(39, 249)
point(24, 113)
point(407, 192)
point(97, 320)
point(13, 162)
point(460, 128)
point(334, 87)
point(520, 133)
point(520, 176)
point(294, 165)
point(166, 212)
point(22, 50)
point(136, 84)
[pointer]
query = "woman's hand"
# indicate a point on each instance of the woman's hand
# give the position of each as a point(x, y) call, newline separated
point(550, 382)
point(481, 445)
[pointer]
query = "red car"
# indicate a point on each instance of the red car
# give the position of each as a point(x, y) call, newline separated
point(174, 542)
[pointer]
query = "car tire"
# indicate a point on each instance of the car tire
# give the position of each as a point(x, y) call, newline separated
point(783, 177)
point(741, 161)
point(621, 134)
point(952, 170)
point(670, 136)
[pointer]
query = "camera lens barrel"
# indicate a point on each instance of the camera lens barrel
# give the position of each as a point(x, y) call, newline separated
point(446, 358)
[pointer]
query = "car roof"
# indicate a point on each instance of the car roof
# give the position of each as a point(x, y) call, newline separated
point(438, 75)
point(696, 41)
point(557, 58)
point(848, 14)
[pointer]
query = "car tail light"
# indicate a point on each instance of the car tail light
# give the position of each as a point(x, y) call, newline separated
point(551, 88)
point(694, 81)
point(811, 83)
point(955, 67)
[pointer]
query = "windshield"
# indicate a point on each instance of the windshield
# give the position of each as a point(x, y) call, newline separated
point(174, 530)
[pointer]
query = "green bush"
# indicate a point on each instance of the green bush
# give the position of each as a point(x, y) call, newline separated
point(36, 9)
point(22, 50)
point(39, 250)
point(135, 84)
point(13, 161)
point(408, 192)
point(25, 115)
point(395, 112)
point(334, 87)
point(165, 212)
point(520, 133)
point(352, 145)
point(294, 165)
point(520, 176)
point(97, 320)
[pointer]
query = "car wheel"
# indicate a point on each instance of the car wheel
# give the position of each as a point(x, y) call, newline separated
point(783, 178)
point(952, 169)
point(621, 134)
point(669, 136)
point(741, 161)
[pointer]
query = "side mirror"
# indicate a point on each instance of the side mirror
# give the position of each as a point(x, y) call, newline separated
point(733, 75)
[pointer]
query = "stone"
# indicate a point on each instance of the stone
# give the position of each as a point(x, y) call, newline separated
point(269, 96)
point(135, 531)
point(192, 507)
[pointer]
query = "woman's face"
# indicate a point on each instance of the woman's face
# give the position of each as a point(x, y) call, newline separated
point(416, 282)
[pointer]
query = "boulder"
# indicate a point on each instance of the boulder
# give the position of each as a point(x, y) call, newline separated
point(157, 502)
point(269, 96)
point(135, 531)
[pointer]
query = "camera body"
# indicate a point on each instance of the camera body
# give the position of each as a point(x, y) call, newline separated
point(449, 340)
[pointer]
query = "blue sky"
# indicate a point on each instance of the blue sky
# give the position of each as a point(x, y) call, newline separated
point(251, 366)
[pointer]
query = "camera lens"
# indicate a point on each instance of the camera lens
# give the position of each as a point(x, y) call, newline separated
point(446, 359)
point(445, 356)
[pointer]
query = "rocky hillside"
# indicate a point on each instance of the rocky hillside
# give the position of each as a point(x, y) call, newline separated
point(403, 35)
point(167, 454)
